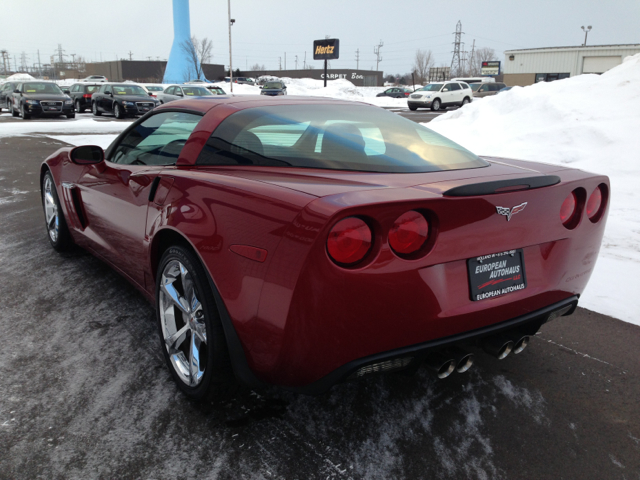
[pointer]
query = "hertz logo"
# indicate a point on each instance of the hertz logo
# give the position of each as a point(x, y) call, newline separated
point(320, 50)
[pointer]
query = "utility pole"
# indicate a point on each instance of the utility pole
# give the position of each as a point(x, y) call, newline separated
point(23, 61)
point(472, 60)
point(304, 63)
point(296, 62)
point(4, 61)
point(285, 60)
point(455, 60)
point(357, 59)
point(39, 65)
point(231, 22)
point(376, 51)
point(130, 55)
point(60, 54)
point(148, 59)
point(586, 32)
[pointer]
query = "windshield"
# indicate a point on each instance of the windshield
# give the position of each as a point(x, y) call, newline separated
point(475, 86)
point(432, 87)
point(154, 89)
point(196, 91)
point(335, 137)
point(273, 85)
point(128, 90)
point(41, 88)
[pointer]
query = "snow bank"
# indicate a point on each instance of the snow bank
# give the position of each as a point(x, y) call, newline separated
point(586, 122)
point(62, 126)
point(341, 88)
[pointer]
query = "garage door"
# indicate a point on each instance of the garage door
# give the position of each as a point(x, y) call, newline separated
point(600, 64)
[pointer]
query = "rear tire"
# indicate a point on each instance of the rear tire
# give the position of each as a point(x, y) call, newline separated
point(94, 109)
point(13, 112)
point(435, 105)
point(71, 115)
point(465, 101)
point(413, 108)
point(79, 109)
point(197, 358)
point(117, 111)
point(57, 229)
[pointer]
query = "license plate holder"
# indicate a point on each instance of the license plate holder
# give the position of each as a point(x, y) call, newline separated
point(496, 274)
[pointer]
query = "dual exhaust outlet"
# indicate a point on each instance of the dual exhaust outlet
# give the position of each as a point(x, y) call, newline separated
point(445, 362)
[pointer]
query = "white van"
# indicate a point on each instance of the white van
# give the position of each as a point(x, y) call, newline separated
point(474, 80)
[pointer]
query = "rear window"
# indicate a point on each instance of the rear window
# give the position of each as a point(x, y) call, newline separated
point(335, 137)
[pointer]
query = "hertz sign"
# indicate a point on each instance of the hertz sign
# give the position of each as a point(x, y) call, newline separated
point(327, 49)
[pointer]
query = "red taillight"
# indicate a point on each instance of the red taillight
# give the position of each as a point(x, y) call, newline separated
point(568, 208)
point(349, 241)
point(152, 95)
point(86, 95)
point(594, 203)
point(409, 232)
point(406, 93)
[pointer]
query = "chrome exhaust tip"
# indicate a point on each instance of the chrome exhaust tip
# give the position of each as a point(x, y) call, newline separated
point(498, 346)
point(442, 365)
point(464, 360)
point(520, 344)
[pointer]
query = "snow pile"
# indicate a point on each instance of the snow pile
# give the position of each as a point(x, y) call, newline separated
point(62, 126)
point(340, 88)
point(19, 77)
point(586, 122)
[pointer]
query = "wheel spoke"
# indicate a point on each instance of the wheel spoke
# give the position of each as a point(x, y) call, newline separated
point(195, 370)
point(177, 299)
point(172, 341)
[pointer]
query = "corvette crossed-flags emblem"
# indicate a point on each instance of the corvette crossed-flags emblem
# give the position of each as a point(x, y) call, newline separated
point(509, 213)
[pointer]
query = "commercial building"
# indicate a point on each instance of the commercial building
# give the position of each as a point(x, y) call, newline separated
point(360, 78)
point(145, 71)
point(531, 65)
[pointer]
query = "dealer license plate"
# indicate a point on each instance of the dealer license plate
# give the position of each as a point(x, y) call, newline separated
point(52, 108)
point(496, 274)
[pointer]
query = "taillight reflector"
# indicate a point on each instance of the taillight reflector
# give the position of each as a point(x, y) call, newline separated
point(568, 208)
point(349, 241)
point(594, 203)
point(409, 232)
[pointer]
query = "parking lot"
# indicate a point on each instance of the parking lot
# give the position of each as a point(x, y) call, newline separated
point(84, 392)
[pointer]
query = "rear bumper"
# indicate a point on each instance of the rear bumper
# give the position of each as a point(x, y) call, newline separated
point(414, 355)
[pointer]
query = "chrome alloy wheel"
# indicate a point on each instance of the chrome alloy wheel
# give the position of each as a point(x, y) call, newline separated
point(50, 209)
point(183, 326)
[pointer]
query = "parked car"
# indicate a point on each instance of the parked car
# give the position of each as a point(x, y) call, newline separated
point(95, 78)
point(440, 95)
point(304, 242)
point(81, 94)
point(6, 90)
point(176, 92)
point(273, 89)
point(505, 89)
point(123, 100)
point(486, 89)
point(37, 99)
point(471, 80)
point(215, 90)
point(244, 80)
point(153, 90)
point(395, 92)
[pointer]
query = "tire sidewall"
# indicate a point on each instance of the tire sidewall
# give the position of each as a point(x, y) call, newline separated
point(63, 239)
point(203, 292)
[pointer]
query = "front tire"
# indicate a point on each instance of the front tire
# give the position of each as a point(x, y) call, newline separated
point(117, 111)
point(413, 108)
point(24, 114)
point(57, 229)
point(79, 109)
point(94, 109)
point(191, 334)
point(435, 105)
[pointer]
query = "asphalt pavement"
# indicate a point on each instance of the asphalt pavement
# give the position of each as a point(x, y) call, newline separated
point(84, 392)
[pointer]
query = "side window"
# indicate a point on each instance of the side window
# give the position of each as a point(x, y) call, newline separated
point(446, 88)
point(156, 141)
point(484, 88)
point(178, 91)
point(455, 86)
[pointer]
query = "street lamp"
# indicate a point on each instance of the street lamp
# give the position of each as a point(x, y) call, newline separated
point(586, 32)
point(231, 22)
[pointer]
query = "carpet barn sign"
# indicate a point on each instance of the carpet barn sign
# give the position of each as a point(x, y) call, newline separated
point(327, 49)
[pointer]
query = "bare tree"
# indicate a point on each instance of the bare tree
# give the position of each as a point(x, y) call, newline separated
point(484, 54)
point(197, 52)
point(423, 62)
point(258, 68)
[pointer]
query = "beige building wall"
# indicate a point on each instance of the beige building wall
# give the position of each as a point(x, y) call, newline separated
point(519, 79)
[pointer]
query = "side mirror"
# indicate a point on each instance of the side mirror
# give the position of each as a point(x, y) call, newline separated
point(87, 155)
point(16, 91)
point(108, 93)
point(179, 95)
point(67, 91)
point(150, 94)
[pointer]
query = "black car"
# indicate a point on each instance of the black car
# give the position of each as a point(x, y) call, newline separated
point(395, 92)
point(81, 93)
point(123, 100)
point(274, 88)
point(35, 99)
point(6, 89)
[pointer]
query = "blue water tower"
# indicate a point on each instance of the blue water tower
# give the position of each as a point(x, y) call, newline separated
point(179, 64)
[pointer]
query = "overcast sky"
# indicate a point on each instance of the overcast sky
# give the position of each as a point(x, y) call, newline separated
point(267, 29)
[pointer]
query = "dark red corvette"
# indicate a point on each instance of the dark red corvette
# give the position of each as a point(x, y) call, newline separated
point(302, 242)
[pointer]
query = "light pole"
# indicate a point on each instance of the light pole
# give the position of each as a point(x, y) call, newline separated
point(231, 22)
point(586, 32)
